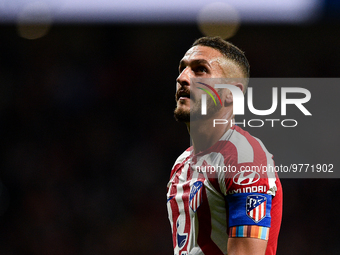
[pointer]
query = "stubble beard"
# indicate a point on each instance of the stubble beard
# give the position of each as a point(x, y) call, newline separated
point(182, 115)
point(194, 113)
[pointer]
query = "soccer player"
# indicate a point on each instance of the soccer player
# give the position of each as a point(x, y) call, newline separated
point(217, 202)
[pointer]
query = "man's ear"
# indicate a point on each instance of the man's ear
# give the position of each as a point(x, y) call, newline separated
point(229, 96)
point(241, 87)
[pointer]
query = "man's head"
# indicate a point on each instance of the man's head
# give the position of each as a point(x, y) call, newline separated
point(229, 51)
point(209, 57)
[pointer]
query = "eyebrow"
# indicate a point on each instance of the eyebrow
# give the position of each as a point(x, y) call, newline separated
point(183, 63)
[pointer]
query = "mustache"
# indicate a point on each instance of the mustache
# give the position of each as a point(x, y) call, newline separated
point(184, 92)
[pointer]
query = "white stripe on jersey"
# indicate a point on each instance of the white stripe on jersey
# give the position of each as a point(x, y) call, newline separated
point(245, 152)
point(271, 174)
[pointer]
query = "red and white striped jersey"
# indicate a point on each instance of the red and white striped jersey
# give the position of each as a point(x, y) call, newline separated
point(226, 191)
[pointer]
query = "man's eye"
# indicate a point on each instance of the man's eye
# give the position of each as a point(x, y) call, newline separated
point(201, 69)
point(181, 69)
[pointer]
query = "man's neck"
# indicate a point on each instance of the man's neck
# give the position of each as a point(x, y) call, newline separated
point(204, 134)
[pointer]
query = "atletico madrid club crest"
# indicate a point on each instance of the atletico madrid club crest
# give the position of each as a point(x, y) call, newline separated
point(195, 198)
point(256, 207)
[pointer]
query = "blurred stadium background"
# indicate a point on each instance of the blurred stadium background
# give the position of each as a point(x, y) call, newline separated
point(88, 136)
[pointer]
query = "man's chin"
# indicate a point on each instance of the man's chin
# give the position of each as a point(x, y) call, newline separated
point(185, 116)
point(182, 115)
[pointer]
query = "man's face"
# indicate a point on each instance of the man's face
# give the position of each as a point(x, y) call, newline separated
point(198, 62)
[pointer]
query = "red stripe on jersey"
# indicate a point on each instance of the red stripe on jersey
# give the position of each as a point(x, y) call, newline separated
point(204, 229)
point(212, 177)
point(230, 160)
point(260, 212)
point(276, 214)
point(175, 169)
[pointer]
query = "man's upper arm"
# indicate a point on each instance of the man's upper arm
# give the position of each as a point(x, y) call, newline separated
point(249, 219)
point(249, 193)
point(246, 246)
point(249, 223)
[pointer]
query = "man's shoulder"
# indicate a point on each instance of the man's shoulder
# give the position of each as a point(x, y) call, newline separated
point(239, 136)
point(180, 160)
point(185, 154)
point(236, 146)
point(247, 147)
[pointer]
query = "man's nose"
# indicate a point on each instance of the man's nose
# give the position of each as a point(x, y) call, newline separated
point(184, 77)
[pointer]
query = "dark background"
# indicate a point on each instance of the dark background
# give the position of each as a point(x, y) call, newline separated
point(88, 136)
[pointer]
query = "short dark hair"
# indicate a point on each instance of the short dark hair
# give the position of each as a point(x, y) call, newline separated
point(227, 49)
